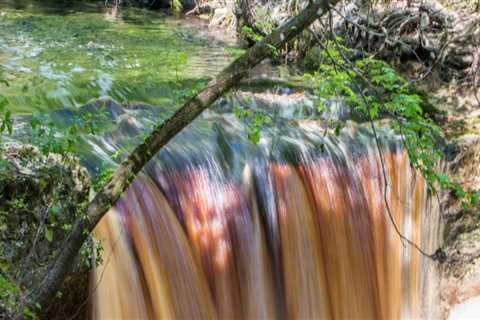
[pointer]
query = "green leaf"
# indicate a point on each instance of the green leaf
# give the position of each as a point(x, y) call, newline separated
point(9, 122)
point(35, 121)
point(255, 136)
point(56, 210)
point(29, 314)
point(49, 234)
point(338, 128)
point(3, 103)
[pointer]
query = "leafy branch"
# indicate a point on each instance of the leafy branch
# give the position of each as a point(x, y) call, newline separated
point(375, 90)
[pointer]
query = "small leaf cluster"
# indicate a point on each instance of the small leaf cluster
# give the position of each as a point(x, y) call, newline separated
point(255, 120)
point(176, 6)
point(9, 293)
point(92, 252)
point(6, 123)
point(50, 138)
point(103, 178)
point(250, 34)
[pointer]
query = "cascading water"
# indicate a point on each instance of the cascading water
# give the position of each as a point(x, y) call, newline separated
point(296, 227)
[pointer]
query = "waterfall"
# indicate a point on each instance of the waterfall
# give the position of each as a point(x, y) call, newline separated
point(298, 226)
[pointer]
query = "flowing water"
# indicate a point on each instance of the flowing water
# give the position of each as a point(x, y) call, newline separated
point(297, 226)
point(301, 225)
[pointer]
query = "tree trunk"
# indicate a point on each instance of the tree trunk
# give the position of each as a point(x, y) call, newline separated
point(159, 137)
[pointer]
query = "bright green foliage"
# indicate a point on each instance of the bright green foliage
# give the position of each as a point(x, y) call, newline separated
point(176, 6)
point(52, 139)
point(6, 123)
point(375, 90)
point(255, 120)
point(251, 35)
point(8, 290)
point(103, 178)
point(8, 298)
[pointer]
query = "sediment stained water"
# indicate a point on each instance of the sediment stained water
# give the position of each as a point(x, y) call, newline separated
point(298, 226)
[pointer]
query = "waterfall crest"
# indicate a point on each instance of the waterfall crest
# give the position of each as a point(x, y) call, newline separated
point(296, 227)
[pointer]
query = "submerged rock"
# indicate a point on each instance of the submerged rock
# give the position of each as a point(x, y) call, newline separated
point(106, 106)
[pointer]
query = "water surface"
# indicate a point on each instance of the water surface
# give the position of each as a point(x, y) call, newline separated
point(62, 54)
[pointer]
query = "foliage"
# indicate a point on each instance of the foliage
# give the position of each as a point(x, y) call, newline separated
point(8, 291)
point(375, 90)
point(92, 252)
point(42, 191)
point(6, 123)
point(51, 138)
point(40, 197)
point(176, 6)
point(255, 37)
point(8, 298)
point(103, 178)
point(250, 34)
point(255, 120)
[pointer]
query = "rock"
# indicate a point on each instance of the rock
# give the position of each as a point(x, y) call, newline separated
point(105, 105)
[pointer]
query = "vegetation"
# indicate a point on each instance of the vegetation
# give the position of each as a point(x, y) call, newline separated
point(375, 90)
point(40, 196)
point(5, 115)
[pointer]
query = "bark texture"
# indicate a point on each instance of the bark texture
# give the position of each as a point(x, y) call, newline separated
point(161, 135)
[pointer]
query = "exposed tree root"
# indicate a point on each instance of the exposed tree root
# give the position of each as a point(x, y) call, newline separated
point(438, 40)
point(426, 33)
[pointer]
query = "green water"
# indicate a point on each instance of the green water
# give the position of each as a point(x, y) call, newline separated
point(62, 54)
